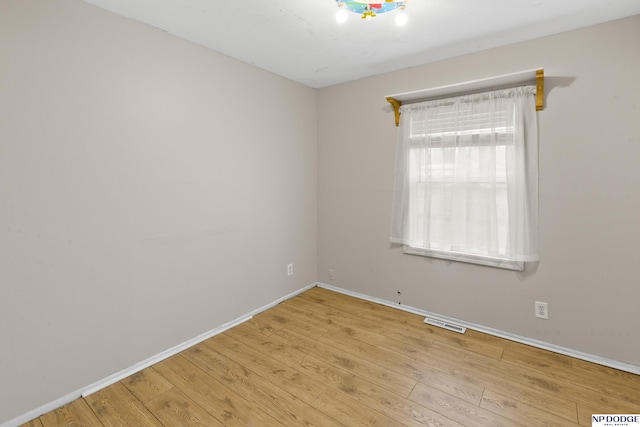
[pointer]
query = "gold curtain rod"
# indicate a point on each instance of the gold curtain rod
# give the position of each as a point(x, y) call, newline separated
point(396, 103)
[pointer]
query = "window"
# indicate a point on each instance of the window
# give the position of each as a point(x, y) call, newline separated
point(466, 178)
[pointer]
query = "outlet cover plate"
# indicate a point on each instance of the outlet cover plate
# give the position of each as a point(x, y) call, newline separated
point(542, 310)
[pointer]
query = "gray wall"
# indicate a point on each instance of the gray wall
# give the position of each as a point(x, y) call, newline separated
point(589, 195)
point(151, 190)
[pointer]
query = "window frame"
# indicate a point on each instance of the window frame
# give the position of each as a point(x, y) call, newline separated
point(517, 263)
point(468, 258)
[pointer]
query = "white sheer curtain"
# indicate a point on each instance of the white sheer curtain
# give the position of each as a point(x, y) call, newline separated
point(467, 177)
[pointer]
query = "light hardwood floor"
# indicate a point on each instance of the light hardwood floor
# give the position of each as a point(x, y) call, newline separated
point(327, 359)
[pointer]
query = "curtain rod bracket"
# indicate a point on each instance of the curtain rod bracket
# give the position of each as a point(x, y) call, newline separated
point(539, 90)
point(396, 108)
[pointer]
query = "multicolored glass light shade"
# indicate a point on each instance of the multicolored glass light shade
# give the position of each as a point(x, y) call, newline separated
point(376, 6)
point(370, 8)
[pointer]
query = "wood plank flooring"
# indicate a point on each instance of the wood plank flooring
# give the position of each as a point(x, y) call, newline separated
point(326, 359)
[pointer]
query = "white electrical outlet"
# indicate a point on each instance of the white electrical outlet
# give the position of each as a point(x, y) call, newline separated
point(332, 274)
point(289, 269)
point(542, 310)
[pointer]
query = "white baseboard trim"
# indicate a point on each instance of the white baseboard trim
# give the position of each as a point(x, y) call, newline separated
point(183, 346)
point(114, 378)
point(627, 367)
point(25, 418)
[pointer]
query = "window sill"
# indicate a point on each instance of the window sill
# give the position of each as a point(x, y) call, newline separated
point(473, 259)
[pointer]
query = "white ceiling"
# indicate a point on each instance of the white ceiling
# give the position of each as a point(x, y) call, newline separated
point(301, 40)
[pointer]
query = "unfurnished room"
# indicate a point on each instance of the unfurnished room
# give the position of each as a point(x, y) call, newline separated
point(319, 212)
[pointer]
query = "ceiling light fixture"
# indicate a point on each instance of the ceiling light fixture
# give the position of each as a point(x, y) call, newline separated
point(368, 9)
